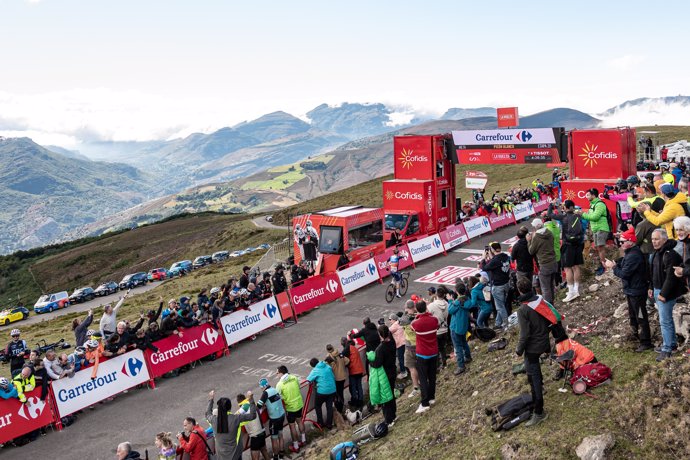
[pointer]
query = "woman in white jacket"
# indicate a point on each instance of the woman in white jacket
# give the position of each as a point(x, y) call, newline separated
point(439, 308)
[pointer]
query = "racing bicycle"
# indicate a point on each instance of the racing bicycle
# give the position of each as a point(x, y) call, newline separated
point(390, 290)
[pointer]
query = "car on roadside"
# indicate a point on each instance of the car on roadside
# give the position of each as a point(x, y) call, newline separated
point(181, 267)
point(51, 302)
point(269, 218)
point(265, 246)
point(83, 294)
point(249, 249)
point(202, 261)
point(133, 280)
point(157, 274)
point(13, 314)
point(108, 288)
point(235, 253)
point(220, 256)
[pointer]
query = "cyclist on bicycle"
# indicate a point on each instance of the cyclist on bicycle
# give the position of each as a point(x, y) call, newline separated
point(392, 264)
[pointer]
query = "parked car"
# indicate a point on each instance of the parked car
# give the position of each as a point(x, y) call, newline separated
point(108, 288)
point(220, 256)
point(249, 249)
point(134, 280)
point(265, 246)
point(157, 274)
point(235, 254)
point(82, 295)
point(51, 302)
point(181, 267)
point(269, 218)
point(13, 314)
point(202, 261)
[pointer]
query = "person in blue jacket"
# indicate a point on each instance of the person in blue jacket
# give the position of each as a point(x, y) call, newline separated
point(7, 389)
point(477, 300)
point(459, 312)
point(322, 376)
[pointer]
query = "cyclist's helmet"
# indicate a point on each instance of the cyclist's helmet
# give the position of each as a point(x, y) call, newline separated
point(90, 332)
point(633, 180)
point(15, 333)
point(215, 290)
point(91, 344)
point(80, 350)
point(4, 383)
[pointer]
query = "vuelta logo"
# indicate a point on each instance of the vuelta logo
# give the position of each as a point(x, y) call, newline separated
point(270, 310)
point(590, 155)
point(437, 243)
point(332, 286)
point(371, 269)
point(209, 336)
point(523, 136)
point(32, 410)
point(132, 367)
point(407, 158)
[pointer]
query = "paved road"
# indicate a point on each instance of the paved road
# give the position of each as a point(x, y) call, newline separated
point(138, 415)
point(261, 222)
point(79, 307)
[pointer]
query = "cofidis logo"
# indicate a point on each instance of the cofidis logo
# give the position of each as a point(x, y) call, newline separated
point(591, 155)
point(408, 158)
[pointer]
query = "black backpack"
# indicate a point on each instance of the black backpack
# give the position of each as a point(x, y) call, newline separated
point(511, 412)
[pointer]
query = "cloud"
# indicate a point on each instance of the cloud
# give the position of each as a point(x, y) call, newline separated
point(648, 113)
point(627, 62)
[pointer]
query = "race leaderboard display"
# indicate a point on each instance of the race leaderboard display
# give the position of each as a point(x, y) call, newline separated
point(510, 146)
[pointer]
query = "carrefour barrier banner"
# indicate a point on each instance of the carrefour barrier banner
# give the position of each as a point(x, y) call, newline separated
point(17, 419)
point(114, 376)
point(315, 291)
point(477, 226)
point(522, 210)
point(425, 248)
point(453, 236)
point(359, 275)
point(242, 324)
point(283, 300)
point(541, 205)
point(501, 221)
point(404, 261)
point(174, 351)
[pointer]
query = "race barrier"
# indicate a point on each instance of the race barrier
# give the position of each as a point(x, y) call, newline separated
point(426, 247)
point(453, 236)
point(177, 351)
point(476, 227)
point(18, 419)
point(242, 324)
point(522, 210)
point(503, 220)
point(359, 275)
point(315, 291)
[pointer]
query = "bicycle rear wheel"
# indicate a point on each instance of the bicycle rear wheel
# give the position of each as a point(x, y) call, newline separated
point(390, 293)
point(403, 286)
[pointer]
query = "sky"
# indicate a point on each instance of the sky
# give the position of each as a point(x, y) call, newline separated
point(74, 71)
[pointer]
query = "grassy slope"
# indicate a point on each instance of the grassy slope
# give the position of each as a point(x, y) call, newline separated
point(141, 249)
point(667, 134)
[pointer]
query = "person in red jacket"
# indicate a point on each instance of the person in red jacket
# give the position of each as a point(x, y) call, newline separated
point(355, 371)
point(192, 441)
point(425, 327)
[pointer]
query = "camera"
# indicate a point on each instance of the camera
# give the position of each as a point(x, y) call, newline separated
point(486, 248)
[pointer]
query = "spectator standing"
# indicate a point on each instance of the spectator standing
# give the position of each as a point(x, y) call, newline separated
point(124, 452)
point(459, 311)
point(323, 377)
point(355, 371)
point(226, 425)
point(666, 288)
point(288, 387)
point(338, 365)
point(192, 440)
point(520, 254)
point(80, 328)
point(16, 350)
point(265, 285)
point(631, 268)
point(369, 334)
point(244, 279)
point(571, 248)
point(597, 218)
point(673, 207)
point(399, 337)
point(439, 308)
point(425, 326)
point(109, 319)
point(343, 260)
point(166, 447)
point(255, 430)
point(541, 247)
point(382, 376)
point(534, 340)
point(410, 345)
point(279, 281)
point(271, 400)
point(497, 266)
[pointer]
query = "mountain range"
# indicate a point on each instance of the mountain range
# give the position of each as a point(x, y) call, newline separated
point(64, 193)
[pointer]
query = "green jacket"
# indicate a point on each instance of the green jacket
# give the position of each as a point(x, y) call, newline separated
point(597, 216)
point(288, 387)
point(556, 230)
point(379, 388)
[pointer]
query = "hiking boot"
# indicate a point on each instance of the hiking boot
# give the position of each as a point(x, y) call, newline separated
point(643, 348)
point(663, 355)
point(536, 419)
point(413, 393)
point(659, 350)
point(559, 374)
point(459, 371)
point(421, 409)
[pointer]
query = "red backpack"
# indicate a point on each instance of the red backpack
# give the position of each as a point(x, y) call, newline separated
point(593, 374)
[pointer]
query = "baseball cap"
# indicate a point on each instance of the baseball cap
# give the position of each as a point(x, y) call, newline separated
point(537, 223)
point(666, 189)
point(629, 235)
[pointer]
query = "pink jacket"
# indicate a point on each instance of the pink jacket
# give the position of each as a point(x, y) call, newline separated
point(398, 334)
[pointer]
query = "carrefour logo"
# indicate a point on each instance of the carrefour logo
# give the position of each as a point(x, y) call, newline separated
point(332, 286)
point(371, 269)
point(270, 310)
point(529, 205)
point(590, 155)
point(437, 243)
point(485, 222)
point(132, 367)
point(407, 158)
point(209, 336)
point(32, 410)
point(524, 136)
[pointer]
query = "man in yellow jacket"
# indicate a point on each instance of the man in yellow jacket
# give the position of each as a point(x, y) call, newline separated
point(674, 206)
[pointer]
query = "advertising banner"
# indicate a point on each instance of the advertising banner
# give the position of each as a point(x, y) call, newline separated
point(477, 226)
point(453, 236)
point(598, 154)
point(283, 300)
point(501, 221)
point(175, 352)
point(412, 157)
point(114, 376)
point(359, 275)
point(496, 156)
point(425, 248)
point(507, 117)
point(522, 210)
point(243, 324)
point(516, 137)
point(541, 205)
point(405, 259)
point(17, 419)
point(475, 182)
point(315, 291)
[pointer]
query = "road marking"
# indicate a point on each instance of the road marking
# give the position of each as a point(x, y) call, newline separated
point(511, 241)
point(474, 258)
point(447, 275)
point(470, 251)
